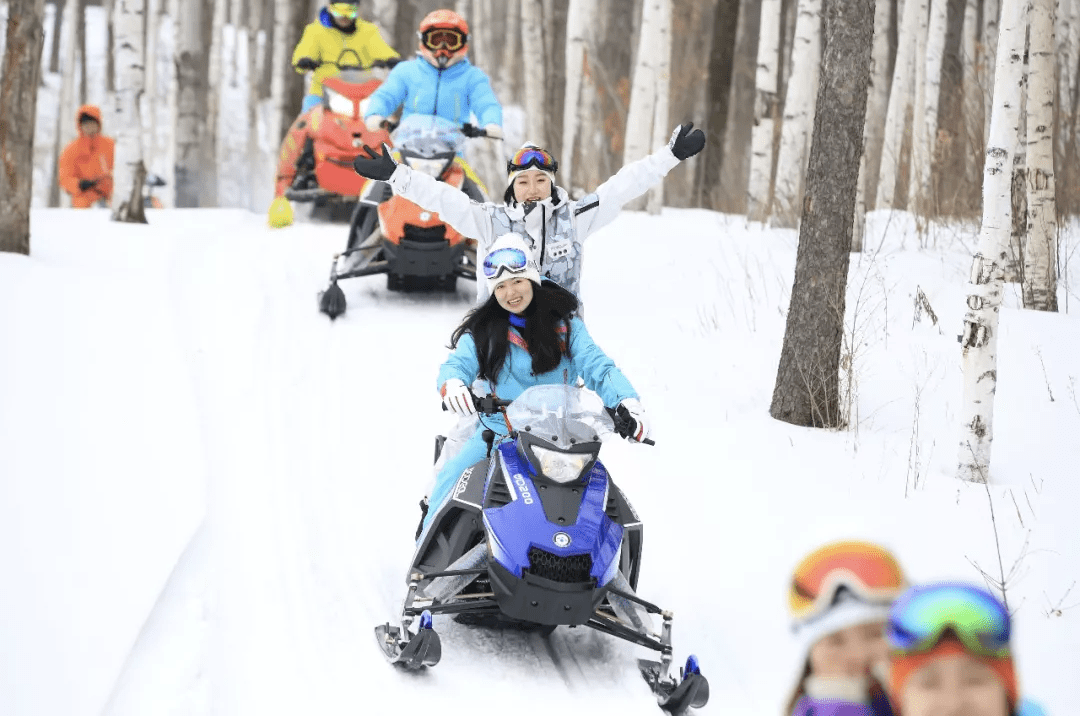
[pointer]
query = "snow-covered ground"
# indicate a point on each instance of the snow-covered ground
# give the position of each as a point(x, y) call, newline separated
point(208, 491)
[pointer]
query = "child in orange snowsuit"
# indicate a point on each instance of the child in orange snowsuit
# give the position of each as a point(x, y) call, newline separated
point(86, 165)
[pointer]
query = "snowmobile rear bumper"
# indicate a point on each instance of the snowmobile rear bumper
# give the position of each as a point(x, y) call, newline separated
point(421, 258)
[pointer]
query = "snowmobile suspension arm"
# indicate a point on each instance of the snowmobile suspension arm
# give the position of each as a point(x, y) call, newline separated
point(649, 607)
point(454, 607)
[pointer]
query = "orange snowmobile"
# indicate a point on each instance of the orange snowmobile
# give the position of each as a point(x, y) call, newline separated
point(315, 163)
point(393, 236)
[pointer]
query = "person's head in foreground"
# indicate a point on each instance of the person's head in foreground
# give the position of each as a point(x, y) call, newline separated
point(839, 599)
point(950, 654)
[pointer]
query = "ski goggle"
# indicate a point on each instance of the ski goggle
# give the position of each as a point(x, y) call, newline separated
point(344, 10)
point(922, 616)
point(869, 571)
point(532, 157)
point(443, 38)
point(505, 259)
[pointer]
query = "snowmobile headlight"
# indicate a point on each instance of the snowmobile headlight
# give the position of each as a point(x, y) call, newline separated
point(561, 467)
point(431, 167)
point(339, 103)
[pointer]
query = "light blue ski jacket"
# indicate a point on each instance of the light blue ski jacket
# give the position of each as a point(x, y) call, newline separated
point(453, 93)
point(587, 361)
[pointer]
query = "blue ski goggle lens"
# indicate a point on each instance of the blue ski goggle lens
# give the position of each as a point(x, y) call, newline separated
point(922, 615)
point(499, 260)
point(532, 157)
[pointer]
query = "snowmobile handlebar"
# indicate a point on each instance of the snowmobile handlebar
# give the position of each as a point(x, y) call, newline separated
point(376, 65)
point(490, 405)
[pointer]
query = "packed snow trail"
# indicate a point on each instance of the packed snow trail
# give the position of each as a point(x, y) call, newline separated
point(318, 441)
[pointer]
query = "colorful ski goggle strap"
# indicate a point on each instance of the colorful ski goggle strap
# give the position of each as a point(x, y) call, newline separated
point(506, 259)
point(922, 616)
point(869, 571)
point(532, 157)
point(345, 10)
point(443, 38)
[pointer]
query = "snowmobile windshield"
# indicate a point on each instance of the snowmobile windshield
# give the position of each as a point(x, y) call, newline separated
point(563, 415)
point(425, 135)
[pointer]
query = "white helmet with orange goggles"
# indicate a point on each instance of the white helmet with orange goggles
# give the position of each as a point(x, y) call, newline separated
point(444, 38)
point(840, 585)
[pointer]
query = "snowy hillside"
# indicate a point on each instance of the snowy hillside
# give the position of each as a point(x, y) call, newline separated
point(208, 491)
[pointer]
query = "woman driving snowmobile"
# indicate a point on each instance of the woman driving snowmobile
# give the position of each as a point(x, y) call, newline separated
point(525, 334)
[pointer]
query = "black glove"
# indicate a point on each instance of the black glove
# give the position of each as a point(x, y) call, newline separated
point(85, 184)
point(375, 166)
point(392, 62)
point(306, 63)
point(684, 143)
point(471, 130)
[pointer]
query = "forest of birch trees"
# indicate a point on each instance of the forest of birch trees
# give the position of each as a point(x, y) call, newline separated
point(601, 82)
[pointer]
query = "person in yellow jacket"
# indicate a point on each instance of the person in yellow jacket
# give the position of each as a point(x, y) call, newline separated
point(337, 30)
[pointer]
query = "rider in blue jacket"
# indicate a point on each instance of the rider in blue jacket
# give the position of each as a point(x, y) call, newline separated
point(440, 81)
point(525, 334)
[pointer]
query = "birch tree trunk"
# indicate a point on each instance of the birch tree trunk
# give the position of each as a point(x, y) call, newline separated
point(979, 339)
point(991, 15)
point(580, 20)
point(21, 73)
point(1065, 140)
point(641, 114)
point(877, 102)
point(128, 168)
point(799, 104)
point(807, 381)
point(251, 72)
point(57, 28)
point(766, 113)
point(974, 54)
point(900, 95)
point(920, 142)
point(510, 73)
point(1040, 249)
point(654, 199)
point(208, 194)
point(532, 46)
point(150, 98)
point(923, 161)
point(68, 99)
point(189, 122)
point(727, 172)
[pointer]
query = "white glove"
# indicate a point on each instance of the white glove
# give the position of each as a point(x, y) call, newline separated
point(457, 398)
point(374, 123)
point(641, 426)
point(493, 131)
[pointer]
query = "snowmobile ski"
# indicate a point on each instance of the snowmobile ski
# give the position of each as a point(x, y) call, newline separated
point(416, 651)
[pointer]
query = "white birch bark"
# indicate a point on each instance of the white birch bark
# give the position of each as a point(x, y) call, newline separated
point(1040, 249)
point(900, 95)
point(766, 112)
point(69, 92)
point(1066, 24)
point(532, 46)
point(877, 102)
point(511, 65)
point(189, 117)
point(920, 142)
point(251, 72)
point(150, 97)
point(799, 105)
point(643, 91)
point(211, 150)
point(661, 132)
point(126, 120)
point(972, 55)
point(935, 52)
point(979, 339)
point(991, 15)
point(580, 20)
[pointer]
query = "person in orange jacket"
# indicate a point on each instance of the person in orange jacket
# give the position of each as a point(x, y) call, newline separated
point(86, 165)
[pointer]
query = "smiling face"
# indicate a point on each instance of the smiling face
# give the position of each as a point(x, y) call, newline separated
point(954, 685)
point(531, 185)
point(850, 652)
point(514, 294)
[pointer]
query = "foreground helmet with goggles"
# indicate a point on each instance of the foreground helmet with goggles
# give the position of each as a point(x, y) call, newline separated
point(343, 10)
point(869, 572)
point(531, 157)
point(509, 257)
point(924, 615)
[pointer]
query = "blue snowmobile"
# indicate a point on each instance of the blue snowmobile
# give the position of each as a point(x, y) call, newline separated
point(537, 536)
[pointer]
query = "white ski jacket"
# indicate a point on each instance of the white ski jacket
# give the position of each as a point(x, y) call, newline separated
point(554, 229)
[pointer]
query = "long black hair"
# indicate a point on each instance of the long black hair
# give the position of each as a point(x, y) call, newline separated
point(489, 324)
